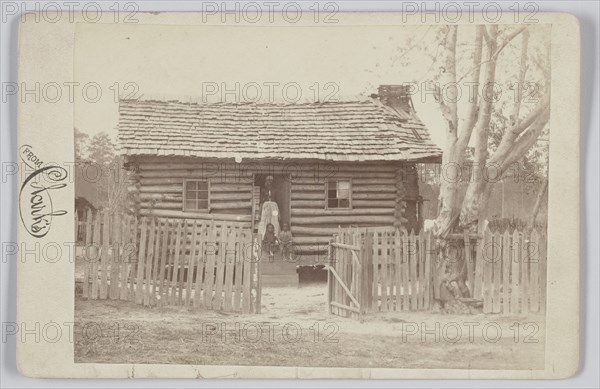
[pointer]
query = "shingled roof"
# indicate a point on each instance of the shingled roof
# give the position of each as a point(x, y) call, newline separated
point(365, 130)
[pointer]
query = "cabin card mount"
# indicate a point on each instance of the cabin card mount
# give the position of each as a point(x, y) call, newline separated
point(374, 197)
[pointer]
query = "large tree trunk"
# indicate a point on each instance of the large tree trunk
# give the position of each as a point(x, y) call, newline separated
point(538, 203)
point(454, 217)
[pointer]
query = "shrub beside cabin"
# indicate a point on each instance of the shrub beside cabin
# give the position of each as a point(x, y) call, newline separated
point(329, 164)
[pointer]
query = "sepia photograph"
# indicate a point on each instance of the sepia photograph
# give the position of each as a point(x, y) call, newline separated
point(326, 196)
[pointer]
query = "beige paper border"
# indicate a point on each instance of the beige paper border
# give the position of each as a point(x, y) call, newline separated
point(45, 291)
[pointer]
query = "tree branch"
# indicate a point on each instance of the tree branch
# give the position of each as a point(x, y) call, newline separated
point(497, 52)
point(449, 78)
point(469, 123)
point(523, 69)
point(525, 141)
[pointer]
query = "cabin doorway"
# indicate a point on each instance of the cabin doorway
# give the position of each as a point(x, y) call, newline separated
point(276, 188)
point(277, 266)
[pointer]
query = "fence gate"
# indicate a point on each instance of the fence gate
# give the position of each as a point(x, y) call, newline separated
point(385, 269)
point(346, 278)
point(380, 269)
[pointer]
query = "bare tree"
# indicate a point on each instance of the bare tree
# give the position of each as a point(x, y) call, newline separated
point(112, 185)
point(456, 217)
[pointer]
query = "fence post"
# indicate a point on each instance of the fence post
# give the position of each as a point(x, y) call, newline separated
point(86, 259)
point(105, 255)
point(139, 289)
point(329, 278)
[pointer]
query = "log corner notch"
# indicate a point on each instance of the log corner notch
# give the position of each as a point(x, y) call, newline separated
point(133, 185)
point(408, 200)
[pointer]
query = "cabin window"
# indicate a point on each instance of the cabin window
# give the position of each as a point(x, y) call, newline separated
point(339, 194)
point(195, 195)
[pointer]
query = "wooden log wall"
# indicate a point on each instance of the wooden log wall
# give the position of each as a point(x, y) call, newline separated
point(374, 203)
point(378, 191)
point(158, 189)
point(408, 191)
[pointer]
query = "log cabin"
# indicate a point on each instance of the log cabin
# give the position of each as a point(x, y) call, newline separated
point(327, 164)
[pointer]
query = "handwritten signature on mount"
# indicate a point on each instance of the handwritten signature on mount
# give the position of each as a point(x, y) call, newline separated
point(35, 196)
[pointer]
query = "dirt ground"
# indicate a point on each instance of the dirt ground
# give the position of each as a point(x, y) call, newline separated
point(294, 329)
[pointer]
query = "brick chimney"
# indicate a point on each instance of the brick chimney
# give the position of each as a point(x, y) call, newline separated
point(396, 96)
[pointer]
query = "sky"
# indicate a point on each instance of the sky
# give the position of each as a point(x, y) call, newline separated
point(202, 62)
point(281, 64)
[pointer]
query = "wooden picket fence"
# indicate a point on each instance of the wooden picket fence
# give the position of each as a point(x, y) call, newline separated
point(509, 272)
point(385, 269)
point(80, 226)
point(158, 262)
point(379, 269)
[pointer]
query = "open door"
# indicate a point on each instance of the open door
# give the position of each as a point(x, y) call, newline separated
point(280, 192)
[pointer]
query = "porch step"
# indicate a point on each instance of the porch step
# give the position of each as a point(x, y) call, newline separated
point(275, 280)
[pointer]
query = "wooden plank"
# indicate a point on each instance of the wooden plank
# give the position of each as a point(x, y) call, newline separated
point(533, 257)
point(351, 269)
point(253, 266)
point(175, 268)
point(86, 258)
point(397, 285)
point(258, 283)
point(515, 262)
point(365, 266)
point(163, 262)
point(469, 260)
point(339, 258)
point(384, 271)
point(340, 268)
point(479, 267)
point(182, 262)
point(543, 239)
point(77, 224)
point(210, 253)
point(348, 269)
point(148, 263)
point(414, 282)
point(329, 281)
point(155, 263)
point(345, 274)
point(357, 271)
point(421, 270)
point(218, 298)
point(115, 260)
point(243, 247)
point(418, 264)
point(345, 307)
point(330, 251)
point(105, 256)
point(345, 288)
point(200, 265)
point(506, 265)
point(335, 264)
point(132, 271)
point(97, 255)
point(429, 243)
point(345, 246)
point(229, 259)
point(405, 273)
point(488, 255)
point(172, 225)
point(125, 221)
point(497, 273)
point(191, 269)
point(376, 271)
point(524, 274)
point(139, 291)
point(246, 296)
